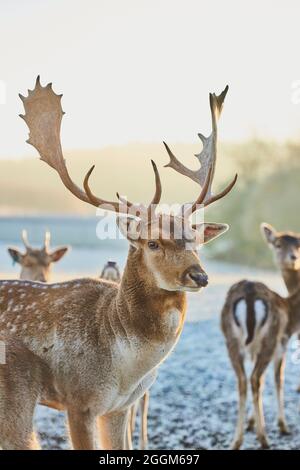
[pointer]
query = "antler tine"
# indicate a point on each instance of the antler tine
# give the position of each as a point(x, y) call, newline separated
point(98, 202)
point(24, 238)
point(158, 188)
point(180, 167)
point(47, 240)
point(214, 198)
point(223, 193)
point(123, 205)
point(201, 197)
point(208, 156)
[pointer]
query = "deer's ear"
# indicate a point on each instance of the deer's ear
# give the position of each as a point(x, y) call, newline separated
point(16, 255)
point(130, 228)
point(210, 231)
point(58, 254)
point(268, 232)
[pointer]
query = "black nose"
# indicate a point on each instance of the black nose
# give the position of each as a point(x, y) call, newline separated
point(201, 279)
point(293, 257)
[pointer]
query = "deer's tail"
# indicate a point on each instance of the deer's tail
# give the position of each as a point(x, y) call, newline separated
point(250, 310)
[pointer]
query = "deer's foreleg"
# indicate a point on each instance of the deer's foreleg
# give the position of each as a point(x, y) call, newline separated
point(279, 365)
point(82, 429)
point(237, 361)
point(112, 430)
point(144, 405)
point(261, 364)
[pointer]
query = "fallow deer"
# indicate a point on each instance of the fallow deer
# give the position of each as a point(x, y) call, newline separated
point(23, 378)
point(36, 263)
point(285, 246)
point(286, 249)
point(111, 271)
point(103, 342)
point(258, 322)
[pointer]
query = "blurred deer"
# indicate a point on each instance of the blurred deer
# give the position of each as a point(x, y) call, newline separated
point(254, 326)
point(286, 250)
point(111, 271)
point(258, 322)
point(36, 263)
point(102, 341)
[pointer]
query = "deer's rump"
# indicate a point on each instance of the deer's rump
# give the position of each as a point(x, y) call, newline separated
point(250, 306)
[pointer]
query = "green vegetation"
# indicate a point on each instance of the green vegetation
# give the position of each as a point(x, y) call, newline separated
point(268, 190)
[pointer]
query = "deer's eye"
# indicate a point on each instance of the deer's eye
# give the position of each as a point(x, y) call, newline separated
point(278, 245)
point(153, 245)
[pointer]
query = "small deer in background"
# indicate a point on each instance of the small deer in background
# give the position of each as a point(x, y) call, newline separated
point(111, 272)
point(253, 322)
point(102, 342)
point(36, 263)
point(258, 322)
point(286, 248)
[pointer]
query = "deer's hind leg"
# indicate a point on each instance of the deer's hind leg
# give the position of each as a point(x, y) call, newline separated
point(16, 417)
point(279, 365)
point(20, 384)
point(237, 361)
point(257, 377)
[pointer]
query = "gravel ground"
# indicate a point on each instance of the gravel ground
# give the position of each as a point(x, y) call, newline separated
point(193, 402)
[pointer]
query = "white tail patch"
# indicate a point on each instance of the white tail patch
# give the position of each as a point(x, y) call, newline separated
point(260, 311)
point(240, 316)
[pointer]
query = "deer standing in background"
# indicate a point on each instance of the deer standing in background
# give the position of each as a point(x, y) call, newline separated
point(258, 322)
point(36, 263)
point(286, 249)
point(111, 272)
point(102, 342)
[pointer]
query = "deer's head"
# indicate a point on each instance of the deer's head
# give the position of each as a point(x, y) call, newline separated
point(36, 263)
point(171, 261)
point(285, 247)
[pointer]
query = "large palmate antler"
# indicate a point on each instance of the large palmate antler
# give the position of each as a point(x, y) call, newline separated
point(43, 116)
point(207, 157)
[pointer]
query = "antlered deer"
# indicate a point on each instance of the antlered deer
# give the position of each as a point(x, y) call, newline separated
point(36, 263)
point(102, 342)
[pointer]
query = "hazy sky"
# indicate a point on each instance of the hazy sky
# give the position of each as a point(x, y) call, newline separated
point(141, 70)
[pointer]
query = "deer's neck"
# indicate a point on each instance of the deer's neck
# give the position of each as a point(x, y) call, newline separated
point(294, 312)
point(291, 279)
point(146, 310)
